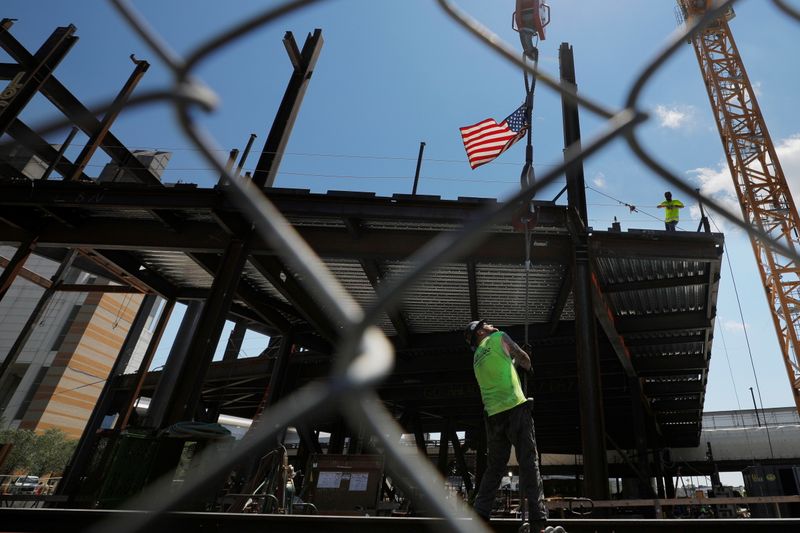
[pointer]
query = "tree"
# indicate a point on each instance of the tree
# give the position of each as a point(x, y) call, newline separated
point(34, 454)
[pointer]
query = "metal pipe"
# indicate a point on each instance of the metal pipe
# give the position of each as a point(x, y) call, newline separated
point(111, 115)
point(229, 165)
point(60, 154)
point(755, 407)
point(419, 165)
point(245, 154)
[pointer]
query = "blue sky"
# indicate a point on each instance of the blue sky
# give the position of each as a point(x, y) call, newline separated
point(392, 74)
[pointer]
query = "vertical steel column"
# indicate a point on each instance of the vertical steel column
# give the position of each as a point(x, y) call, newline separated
point(174, 365)
point(595, 462)
point(639, 426)
point(15, 265)
point(235, 340)
point(141, 373)
point(590, 396)
point(336, 442)
point(419, 434)
point(444, 447)
point(96, 140)
point(461, 462)
point(24, 86)
point(278, 374)
point(186, 395)
point(80, 458)
point(303, 62)
point(36, 314)
point(480, 455)
point(576, 192)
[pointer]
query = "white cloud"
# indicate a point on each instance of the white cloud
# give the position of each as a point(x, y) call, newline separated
point(789, 155)
point(674, 117)
point(599, 180)
point(733, 325)
point(717, 184)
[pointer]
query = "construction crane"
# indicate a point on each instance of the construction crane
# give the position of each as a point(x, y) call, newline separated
point(757, 174)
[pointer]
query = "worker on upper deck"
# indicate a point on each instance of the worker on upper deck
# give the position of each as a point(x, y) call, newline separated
point(671, 208)
point(508, 416)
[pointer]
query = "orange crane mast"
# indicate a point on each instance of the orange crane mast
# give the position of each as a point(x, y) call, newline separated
point(757, 174)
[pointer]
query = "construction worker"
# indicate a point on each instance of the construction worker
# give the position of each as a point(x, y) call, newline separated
point(508, 416)
point(671, 208)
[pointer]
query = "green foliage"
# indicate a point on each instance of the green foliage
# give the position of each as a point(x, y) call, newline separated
point(34, 454)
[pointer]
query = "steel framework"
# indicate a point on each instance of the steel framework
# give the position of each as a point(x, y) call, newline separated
point(759, 180)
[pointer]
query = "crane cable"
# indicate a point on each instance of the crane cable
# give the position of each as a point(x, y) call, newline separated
point(527, 177)
point(747, 343)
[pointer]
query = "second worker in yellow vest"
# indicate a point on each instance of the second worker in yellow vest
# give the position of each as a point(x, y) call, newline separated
point(671, 208)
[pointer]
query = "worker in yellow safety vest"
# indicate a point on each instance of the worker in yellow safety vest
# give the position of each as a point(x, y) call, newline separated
point(671, 208)
point(508, 419)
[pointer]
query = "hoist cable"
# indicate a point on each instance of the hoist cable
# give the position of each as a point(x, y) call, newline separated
point(747, 343)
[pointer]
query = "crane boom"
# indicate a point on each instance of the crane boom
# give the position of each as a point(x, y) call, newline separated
point(758, 178)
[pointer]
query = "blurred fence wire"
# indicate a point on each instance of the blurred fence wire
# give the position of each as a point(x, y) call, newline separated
point(364, 356)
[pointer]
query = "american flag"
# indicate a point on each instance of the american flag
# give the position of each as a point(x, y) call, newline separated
point(487, 139)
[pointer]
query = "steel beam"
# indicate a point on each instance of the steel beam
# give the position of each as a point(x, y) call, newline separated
point(97, 137)
point(589, 386)
point(663, 323)
point(264, 306)
point(73, 109)
point(650, 284)
point(677, 246)
point(670, 365)
point(173, 368)
point(606, 317)
point(36, 314)
point(285, 283)
point(576, 191)
point(673, 388)
point(36, 70)
point(80, 520)
point(270, 160)
point(186, 395)
point(76, 468)
point(16, 265)
point(141, 373)
point(563, 295)
point(373, 272)
point(33, 142)
point(461, 460)
point(639, 428)
point(235, 339)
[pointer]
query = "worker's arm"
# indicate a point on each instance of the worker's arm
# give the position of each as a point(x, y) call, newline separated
point(516, 353)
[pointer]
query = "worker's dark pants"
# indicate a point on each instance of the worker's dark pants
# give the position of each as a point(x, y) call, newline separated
point(671, 225)
point(512, 427)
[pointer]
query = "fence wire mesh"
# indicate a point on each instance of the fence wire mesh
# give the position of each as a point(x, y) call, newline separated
point(364, 356)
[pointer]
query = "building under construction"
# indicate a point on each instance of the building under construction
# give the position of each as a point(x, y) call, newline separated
point(621, 325)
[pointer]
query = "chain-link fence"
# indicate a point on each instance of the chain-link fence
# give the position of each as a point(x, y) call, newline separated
point(364, 356)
